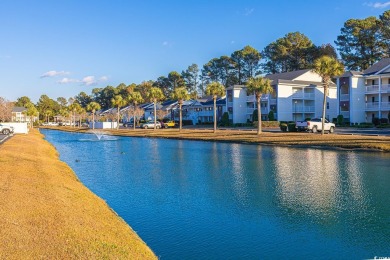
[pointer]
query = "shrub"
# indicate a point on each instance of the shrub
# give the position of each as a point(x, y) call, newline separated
point(283, 127)
point(365, 125)
point(254, 115)
point(187, 122)
point(307, 119)
point(375, 121)
point(225, 119)
point(271, 116)
point(334, 120)
point(292, 127)
point(384, 126)
point(384, 121)
point(340, 119)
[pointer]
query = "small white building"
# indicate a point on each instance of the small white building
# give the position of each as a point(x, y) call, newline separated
point(297, 95)
point(365, 95)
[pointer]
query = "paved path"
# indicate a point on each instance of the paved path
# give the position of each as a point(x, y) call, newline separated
point(2, 138)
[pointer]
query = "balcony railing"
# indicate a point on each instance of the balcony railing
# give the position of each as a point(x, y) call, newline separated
point(385, 88)
point(304, 109)
point(302, 95)
point(264, 110)
point(344, 97)
point(385, 105)
point(345, 114)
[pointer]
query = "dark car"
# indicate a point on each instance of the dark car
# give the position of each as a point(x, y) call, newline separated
point(128, 124)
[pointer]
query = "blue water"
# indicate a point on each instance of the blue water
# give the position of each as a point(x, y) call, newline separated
point(205, 200)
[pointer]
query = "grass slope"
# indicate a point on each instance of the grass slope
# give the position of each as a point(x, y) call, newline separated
point(46, 212)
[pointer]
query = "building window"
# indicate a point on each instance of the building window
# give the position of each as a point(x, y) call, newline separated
point(373, 99)
point(327, 105)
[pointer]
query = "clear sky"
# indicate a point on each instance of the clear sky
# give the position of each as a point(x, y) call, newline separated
point(62, 47)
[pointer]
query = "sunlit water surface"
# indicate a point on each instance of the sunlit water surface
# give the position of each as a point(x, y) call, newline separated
point(205, 200)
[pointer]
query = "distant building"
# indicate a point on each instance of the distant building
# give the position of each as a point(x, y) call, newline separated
point(297, 95)
point(365, 95)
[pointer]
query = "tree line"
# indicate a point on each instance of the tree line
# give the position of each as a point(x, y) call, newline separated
point(361, 43)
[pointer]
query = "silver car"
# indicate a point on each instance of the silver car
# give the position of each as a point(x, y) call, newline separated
point(150, 124)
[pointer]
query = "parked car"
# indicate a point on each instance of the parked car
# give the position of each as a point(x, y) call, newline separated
point(150, 124)
point(128, 124)
point(6, 129)
point(169, 124)
point(315, 125)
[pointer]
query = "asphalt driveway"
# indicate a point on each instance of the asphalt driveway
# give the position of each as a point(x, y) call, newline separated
point(2, 138)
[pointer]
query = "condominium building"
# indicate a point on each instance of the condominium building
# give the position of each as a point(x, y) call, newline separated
point(297, 95)
point(365, 95)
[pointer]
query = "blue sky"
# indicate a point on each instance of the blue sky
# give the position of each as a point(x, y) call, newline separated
point(62, 47)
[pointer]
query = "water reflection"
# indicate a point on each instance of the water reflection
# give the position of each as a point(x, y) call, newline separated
point(192, 200)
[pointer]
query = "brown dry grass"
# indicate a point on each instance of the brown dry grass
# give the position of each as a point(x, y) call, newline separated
point(333, 141)
point(46, 213)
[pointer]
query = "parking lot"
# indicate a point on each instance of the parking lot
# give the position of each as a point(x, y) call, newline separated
point(2, 138)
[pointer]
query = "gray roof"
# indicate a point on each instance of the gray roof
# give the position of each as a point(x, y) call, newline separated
point(291, 75)
point(377, 66)
point(19, 109)
point(350, 74)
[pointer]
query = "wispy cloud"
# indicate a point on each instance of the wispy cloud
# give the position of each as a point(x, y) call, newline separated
point(54, 73)
point(68, 80)
point(86, 81)
point(378, 5)
point(249, 11)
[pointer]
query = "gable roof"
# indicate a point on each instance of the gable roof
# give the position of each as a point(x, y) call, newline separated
point(18, 109)
point(377, 67)
point(291, 75)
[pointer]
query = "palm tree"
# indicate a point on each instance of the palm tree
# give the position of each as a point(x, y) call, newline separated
point(118, 101)
point(93, 107)
point(74, 107)
point(180, 94)
point(327, 67)
point(215, 89)
point(135, 98)
point(155, 94)
point(259, 86)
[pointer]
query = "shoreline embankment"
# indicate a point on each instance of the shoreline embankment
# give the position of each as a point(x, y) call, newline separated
point(46, 212)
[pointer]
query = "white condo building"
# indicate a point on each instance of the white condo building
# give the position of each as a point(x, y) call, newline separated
point(297, 95)
point(365, 95)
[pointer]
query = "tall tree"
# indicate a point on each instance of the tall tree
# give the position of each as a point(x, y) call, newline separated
point(218, 69)
point(6, 109)
point(191, 77)
point(259, 86)
point(62, 102)
point(385, 31)
point(93, 107)
point(215, 89)
point(327, 67)
point(83, 99)
point(180, 94)
point(45, 103)
point(163, 83)
point(23, 101)
point(175, 81)
point(144, 88)
point(251, 59)
point(359, 43)
point(135, 98)
point(155, 95)
point(74, 108)
point(118, 101)
point(292, 52)
point(31, 112)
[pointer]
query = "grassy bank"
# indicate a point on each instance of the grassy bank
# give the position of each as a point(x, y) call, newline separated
point(45, 212)
point(332, 141)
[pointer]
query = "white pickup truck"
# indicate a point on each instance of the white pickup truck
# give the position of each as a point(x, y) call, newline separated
point(314, 125)
point(6, 129)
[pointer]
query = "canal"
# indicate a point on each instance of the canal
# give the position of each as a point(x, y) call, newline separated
point(207, 200)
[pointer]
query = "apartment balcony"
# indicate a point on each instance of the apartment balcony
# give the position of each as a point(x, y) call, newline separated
point(345, 114)
point(252, 98)
point(272, 101)
point(344, 97)
point(385, 106)
point(372, 106)
point(372, 89)
point(304, 109)
point(230, 104)
point(302, 95)
point(264, 110)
